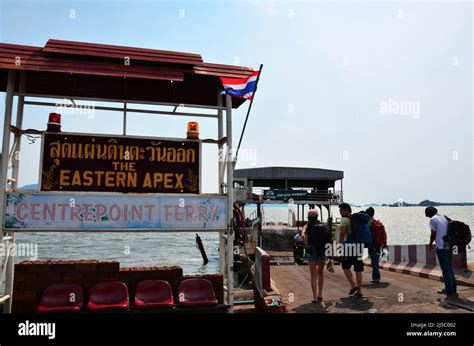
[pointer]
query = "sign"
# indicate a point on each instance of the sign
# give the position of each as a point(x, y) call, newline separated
point(284, 194)
point(119, 164)
point(52, 211)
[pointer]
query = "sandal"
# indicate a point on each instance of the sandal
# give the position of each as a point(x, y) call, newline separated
point(330, 267)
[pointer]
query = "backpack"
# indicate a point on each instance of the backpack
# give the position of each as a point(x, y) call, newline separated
point(318, 237)
point(360, 231)
point(459, 234)
point(379, 236)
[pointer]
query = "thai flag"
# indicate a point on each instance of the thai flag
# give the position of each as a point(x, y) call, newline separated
point(241, 87)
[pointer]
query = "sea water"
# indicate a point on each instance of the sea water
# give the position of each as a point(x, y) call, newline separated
point(404, 225)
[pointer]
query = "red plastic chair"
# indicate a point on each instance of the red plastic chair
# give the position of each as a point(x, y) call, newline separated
point(196, 293)
point(64, 297)
point(111, 295)
point(153, 294)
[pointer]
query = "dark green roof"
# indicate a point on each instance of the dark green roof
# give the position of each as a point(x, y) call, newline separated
point(294, 173)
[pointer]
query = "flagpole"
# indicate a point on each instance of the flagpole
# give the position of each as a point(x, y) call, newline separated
point(248, 113)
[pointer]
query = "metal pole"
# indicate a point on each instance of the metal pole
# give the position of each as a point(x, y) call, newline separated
point(259, 226)
point(297, 217)
point(4, 173)
point(125, 118)
point(220, 173)
point(116, 109)
point(220, 147)
point(6, 143)
point(220, 130)
point(230, 200)
point(10, 261)
point(248, 113)
point(342, 195)
point(10, 274)
point(222, 251)
point(19, 125)
point(100, 99)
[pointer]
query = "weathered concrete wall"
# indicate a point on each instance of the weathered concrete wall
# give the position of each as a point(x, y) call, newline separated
point(278, 238)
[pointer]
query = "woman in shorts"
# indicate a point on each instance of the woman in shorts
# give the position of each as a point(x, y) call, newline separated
point(316, 236)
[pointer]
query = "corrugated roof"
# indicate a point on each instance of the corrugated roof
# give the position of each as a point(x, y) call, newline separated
point(70, 68)
point(120, 52)
point(230, 71)
point(29, 58)
point(295, 173)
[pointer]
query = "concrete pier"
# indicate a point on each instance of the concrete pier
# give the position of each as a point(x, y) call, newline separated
point(397, 293)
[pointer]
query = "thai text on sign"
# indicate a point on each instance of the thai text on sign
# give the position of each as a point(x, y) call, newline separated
point(119, 164)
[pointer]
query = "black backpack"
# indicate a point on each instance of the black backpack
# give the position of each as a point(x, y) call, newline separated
point(318, 236)
point(459, 234)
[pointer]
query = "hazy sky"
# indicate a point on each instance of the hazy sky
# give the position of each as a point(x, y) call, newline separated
point(381, 90)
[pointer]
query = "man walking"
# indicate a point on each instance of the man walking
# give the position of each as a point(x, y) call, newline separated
point(350, 258)
point(439, 229)
point(379, 241)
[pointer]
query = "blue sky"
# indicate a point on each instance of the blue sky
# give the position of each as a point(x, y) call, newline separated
point(329, 69)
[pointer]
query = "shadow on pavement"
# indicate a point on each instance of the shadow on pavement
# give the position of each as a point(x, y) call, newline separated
point(322, 307)
point(457, 302)
point(354, 303)
point(380, 285)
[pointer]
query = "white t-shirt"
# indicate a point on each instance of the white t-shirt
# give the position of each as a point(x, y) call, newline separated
point(439, 224)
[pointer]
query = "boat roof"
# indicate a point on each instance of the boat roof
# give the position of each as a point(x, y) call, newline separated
point(289, 173)
point(108, 72)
